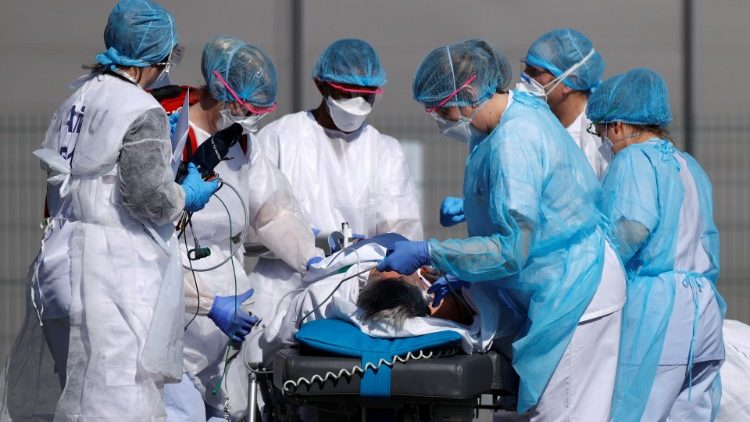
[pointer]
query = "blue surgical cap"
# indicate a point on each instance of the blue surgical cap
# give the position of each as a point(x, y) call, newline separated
point(447, 68)
point(247, 70)
point(638, 97)
point(350, 61)
point(559, 50)
point(139, 33)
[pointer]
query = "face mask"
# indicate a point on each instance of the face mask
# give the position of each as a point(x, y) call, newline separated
point(249, 124)
point(528, 84)
point(161, 80)
point(348, 114)
point(605, 150)
point(461, 130)
point(608, 145)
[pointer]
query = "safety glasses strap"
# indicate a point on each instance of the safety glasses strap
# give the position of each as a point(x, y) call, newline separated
point(452, 94)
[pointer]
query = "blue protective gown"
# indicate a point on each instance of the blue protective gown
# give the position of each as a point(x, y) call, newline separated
point(531, 204)
point(652, 195)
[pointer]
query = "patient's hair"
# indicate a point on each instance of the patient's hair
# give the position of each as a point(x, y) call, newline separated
point(392, 301)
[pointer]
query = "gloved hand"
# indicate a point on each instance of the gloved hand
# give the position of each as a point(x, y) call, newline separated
point(312, 261)
point(223, 314)
point(197, 190)
point(443, 286)
point(452, 211)
point(406, 257)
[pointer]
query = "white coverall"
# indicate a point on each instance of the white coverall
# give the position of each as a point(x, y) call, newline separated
point(598, 154)
point(275, 221)
point(360, 178)
point(109, 260)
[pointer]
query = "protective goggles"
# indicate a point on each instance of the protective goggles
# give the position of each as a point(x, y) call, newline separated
point(451, 95)
point(355, 89)
point(343, 91)
point(249, 107)
point(174, 58)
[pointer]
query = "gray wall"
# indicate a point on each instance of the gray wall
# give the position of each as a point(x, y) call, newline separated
point(44, 42)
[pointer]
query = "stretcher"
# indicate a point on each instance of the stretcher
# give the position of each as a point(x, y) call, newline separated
point(435, 384)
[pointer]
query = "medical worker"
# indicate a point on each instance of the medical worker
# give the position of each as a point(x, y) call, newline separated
point(340, 167)
point(658, 200)
point(107, 281)
point(563, 67)
point(240, 87)
point(535, 234)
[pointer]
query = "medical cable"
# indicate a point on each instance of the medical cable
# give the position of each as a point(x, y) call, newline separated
point(259, 330)
point(240, 242)
point(197, 291)
point(330, 295)
point(229, 346)
point(290, 385)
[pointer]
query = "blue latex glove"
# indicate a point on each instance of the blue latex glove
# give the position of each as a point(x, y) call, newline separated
point(197, 190)
point(222, 313)
point(312, 261)
point(452, 211)
point(406, 257)
point(443, 286)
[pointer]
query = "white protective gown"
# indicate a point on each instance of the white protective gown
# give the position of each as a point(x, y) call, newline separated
point(598, 154)
point(360, 178)
point(117, 278)
point(735, 373)
point(274, 219)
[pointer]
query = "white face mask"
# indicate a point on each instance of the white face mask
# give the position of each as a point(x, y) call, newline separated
point(161, 80)
point(608, 145)
point(528, 84)
point(461, 130)
point(348, 114)
point(605, 149)
point(249, 124)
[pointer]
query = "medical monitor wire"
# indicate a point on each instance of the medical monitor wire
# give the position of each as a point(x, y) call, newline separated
point(330, 295)
point(239, 243)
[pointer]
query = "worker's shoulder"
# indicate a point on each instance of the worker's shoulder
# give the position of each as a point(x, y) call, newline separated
point(129, 97)
point(381, 138)
point(291, 121)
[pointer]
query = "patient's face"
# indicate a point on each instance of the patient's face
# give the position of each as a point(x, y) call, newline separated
point(394, 297)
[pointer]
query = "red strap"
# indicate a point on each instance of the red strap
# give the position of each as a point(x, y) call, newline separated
point(173, 104)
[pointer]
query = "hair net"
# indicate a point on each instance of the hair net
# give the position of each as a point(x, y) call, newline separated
point(505, 74)
point(446, 69)
point(247, 70)
point(138, 33)
point(638, 96)
point(350, 61)
point(559, 50)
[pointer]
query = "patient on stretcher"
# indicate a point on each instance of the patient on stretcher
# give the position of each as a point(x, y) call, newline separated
point(393, 298)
